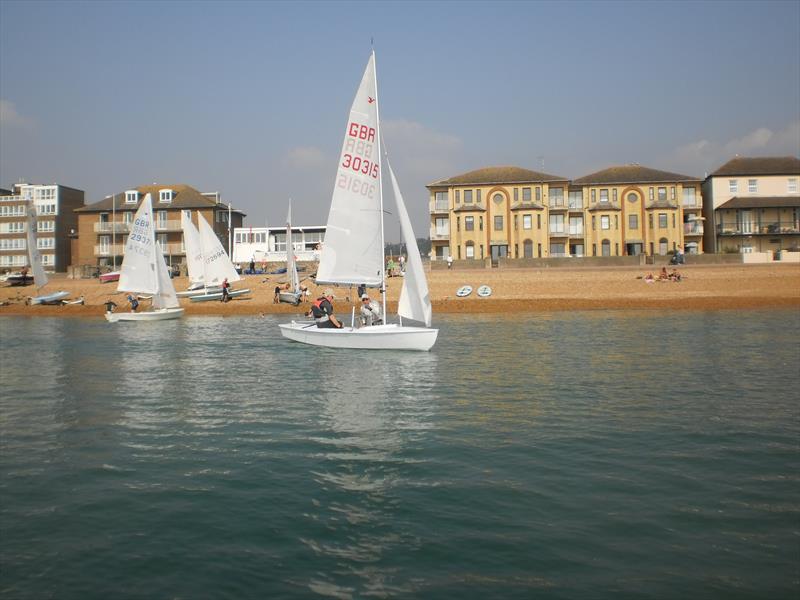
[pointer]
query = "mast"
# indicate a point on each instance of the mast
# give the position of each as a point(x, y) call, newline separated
point(380, 184)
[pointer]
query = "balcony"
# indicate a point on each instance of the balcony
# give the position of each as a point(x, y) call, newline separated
point(108, 227)
point(439, 235)
point(440, 207)
point(695, 204)
point(693, 228)
point(575, 206)
point(109, 249)
point(557, 204)
point(558, 232)
point(780, 227)
point(576, 232)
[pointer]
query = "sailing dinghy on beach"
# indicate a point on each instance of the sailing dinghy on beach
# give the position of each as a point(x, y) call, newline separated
point(145, 272)
point(291, 295)
point(352, 254)
point(35, 261)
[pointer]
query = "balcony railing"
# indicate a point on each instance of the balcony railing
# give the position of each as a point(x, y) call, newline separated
point(440, 207)
point(119, 249)
point(576, 231)
point(109, 227)
point(557, 204)
point(696, 203)
point(693, 228)
point(576, 205)
point(558, 231)
point(439, 235)
point(758, 228)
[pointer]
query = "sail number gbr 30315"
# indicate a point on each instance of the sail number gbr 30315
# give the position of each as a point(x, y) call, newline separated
point(357, 161)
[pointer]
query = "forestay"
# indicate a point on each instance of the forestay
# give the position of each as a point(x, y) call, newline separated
point(348, 255)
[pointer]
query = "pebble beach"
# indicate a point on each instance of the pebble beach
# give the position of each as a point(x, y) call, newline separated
point(702, 287)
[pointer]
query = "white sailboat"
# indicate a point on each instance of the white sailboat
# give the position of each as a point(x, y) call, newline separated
point(194, 254)
point(354, 240)
point(291, 295)
point(217, 266)
point(145, 272)
point(35, 261)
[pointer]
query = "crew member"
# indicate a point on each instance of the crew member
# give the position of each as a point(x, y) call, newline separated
point(322, 310)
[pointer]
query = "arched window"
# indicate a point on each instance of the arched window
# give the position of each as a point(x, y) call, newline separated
point(527, 248)
point(605, 248)
point(663, 246)
point(470, 250)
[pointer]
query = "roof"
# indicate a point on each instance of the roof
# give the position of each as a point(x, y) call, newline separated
point(632, 174)
point(762, 202)
point(765, 165)
point(490, 175)
point(183, 197)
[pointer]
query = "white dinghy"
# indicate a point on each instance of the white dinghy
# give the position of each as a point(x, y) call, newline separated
point(217, 266)
point(145, 272)
point(35, 261)
point(352, 254)
point(291, 295)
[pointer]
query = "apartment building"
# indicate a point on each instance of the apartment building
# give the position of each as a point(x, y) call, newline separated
point(512, 212)
point(753, 205)
point(103, 227)
point(56, 222)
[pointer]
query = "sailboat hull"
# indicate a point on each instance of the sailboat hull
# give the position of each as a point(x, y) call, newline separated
point(378, 337)
point(148, 315)
point(289, 298)
point(54, 298)
point(207, 296)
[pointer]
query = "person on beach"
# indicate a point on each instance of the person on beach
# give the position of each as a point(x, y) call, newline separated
point(402, 261)
point(133, 301)
point(253, 266)
point(370, 311)
point(225, 294)
point(322, 311)
point(110, 305)
point(449, 261)
point(277, 298)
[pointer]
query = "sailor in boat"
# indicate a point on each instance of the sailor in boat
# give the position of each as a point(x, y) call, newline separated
point(133, 301)
point(370, 311)
point(110, 306)
point(322, 311)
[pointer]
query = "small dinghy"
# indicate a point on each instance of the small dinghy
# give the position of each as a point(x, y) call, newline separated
point(464, 291)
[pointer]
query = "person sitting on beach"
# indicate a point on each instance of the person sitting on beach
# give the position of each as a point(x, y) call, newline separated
point(370, 311)
point(134, 302)
point(322, 311)
point(675, 276)
point(664, 276)
point(649, 278)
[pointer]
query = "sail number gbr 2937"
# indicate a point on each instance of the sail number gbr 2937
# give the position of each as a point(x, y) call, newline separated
point(357, 164)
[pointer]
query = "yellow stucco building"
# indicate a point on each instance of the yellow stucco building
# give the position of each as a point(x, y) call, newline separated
point(510, 212)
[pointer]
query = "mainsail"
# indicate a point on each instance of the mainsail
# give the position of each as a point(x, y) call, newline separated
point(194, 249)
point(217, 265)
point(138, 272)
point(34, 256)
point(348, 255)
point(291, 264)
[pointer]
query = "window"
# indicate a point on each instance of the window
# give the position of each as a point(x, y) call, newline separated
point(662, 220)
point(594, 222)
point(556, 196)
point(662, 194)
point(556, 223)
point(663, 246)
point(458, 223)
point(538, 194)
point(650, 221)
point(440, 203)
point(606, 248)
point(688, 197)
point(603, 195)
point(633, 221)
point(752, 185)
point(458, 196)
point(791, 186)
point(498, 223)
point(576, 199)
point(46, 226)
point(615, 194)
point(161, 238)
point(527, 248)
point(46, 243)
point(222, 216)
point(469, 223)
point(442, 226)
point(527, 222)
point(516, 194)
point(498, 198)
point(538, 221)
point(557, 249)
point(127, 217)
point(470, 250)
point(165, 196)
point(480, 223)
point(632, 197)
point(516, 225)
point(526, 194)
point(576, 225)
point(605, 223)
point(672, 192)
point(131, 197)
point(46, 209)
point(594, 196)
point(478, 196)
point(652, 197)
point(467, 196)
point(733, 186)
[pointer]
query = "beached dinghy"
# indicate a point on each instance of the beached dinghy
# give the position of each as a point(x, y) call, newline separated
point(354, 241)
point(145, 272)
point(35, 260)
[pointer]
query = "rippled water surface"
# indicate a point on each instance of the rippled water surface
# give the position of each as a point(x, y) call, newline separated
point(571, 455)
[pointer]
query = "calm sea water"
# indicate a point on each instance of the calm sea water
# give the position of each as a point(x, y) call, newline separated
point(569, 455)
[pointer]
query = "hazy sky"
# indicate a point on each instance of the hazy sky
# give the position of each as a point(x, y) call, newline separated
point(251, 98)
